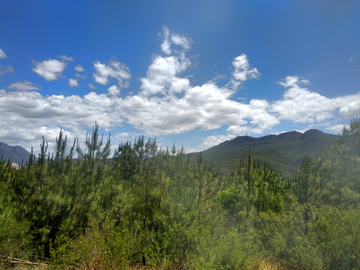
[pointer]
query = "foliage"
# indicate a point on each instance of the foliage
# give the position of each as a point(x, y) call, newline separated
point(282, 153)
point(153, 207)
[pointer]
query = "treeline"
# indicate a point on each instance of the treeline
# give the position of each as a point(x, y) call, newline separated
point(151, 207)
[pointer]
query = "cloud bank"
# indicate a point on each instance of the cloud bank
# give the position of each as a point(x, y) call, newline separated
point(23, 86)
point(166, 102)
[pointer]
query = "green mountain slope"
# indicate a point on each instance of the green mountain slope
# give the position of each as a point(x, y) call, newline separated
point(282, 152)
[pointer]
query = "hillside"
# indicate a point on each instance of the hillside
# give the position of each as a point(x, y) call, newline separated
point(282, 152)
point(16, 154)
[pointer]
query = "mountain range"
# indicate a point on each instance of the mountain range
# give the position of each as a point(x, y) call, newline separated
point(282, 152)
point(16, 154)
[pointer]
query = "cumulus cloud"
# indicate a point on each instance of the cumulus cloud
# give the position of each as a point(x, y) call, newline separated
point(50, 69)
point(2, 54)
point(166, 102)
point(73, 82)
point(162, 75)
point(207, 106)
point(293, 81)
point(242, 71)
point(337, 128)
point(300, 105)
point(181, 107)
point(214, 140)
point(23, 86)
point(257, 111)
point(170, 37)
point(79, 68)
point(26, 116)
point(115, 69)
point(114, 90)
point(349, 105)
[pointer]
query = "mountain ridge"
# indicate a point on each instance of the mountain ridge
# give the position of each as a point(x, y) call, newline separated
point(15, 154)
point(282, 152)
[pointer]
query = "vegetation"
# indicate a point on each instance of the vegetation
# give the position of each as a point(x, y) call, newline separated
point(282, 153)
point(151, 207)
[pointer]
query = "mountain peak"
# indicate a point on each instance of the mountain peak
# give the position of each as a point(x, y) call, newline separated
point(282, 152)
point(16, 154)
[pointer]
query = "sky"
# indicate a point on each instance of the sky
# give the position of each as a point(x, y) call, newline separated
point(196, 73)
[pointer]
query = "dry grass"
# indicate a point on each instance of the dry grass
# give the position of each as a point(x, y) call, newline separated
point(270, 264)
point(97, 263)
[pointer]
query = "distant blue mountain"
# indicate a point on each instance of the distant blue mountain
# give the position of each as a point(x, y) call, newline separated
point(16, 154)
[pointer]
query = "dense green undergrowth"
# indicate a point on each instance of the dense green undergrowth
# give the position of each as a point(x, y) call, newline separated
point(152, 207)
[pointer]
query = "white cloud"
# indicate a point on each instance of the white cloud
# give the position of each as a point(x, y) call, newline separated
point(64, 58)
point(115, 69)
point(170, 37)
point(2, 54)
point(242, 71)
point(28, 115)
point(79, 68)
point(300, 105)
point(124, 137)
point(293, 81)
point(50, 69)
point(7, 69)
point(207, 106)
point(257, 111)
point(338, 129)
point(214, 140)
point(114, 90)
point(349, 105)
point(166, 103)
point(165, 46)
point(244, 130)
point(161, 75)
point(91, 86)
point(23, 86)
point(181, 40)
point(180, 107)
point(239, 130)
point(73, 82)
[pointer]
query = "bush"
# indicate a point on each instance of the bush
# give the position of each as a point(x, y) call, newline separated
point(15, 241)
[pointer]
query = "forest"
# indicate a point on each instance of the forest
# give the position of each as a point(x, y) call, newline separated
point(80, 207)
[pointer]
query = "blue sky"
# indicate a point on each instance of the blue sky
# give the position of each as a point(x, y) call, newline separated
point(193, 72)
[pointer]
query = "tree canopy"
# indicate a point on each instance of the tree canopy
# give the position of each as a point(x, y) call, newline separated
point(152, 207)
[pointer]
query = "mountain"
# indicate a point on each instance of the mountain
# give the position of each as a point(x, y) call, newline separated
point(16, 154)
point(283, 152)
